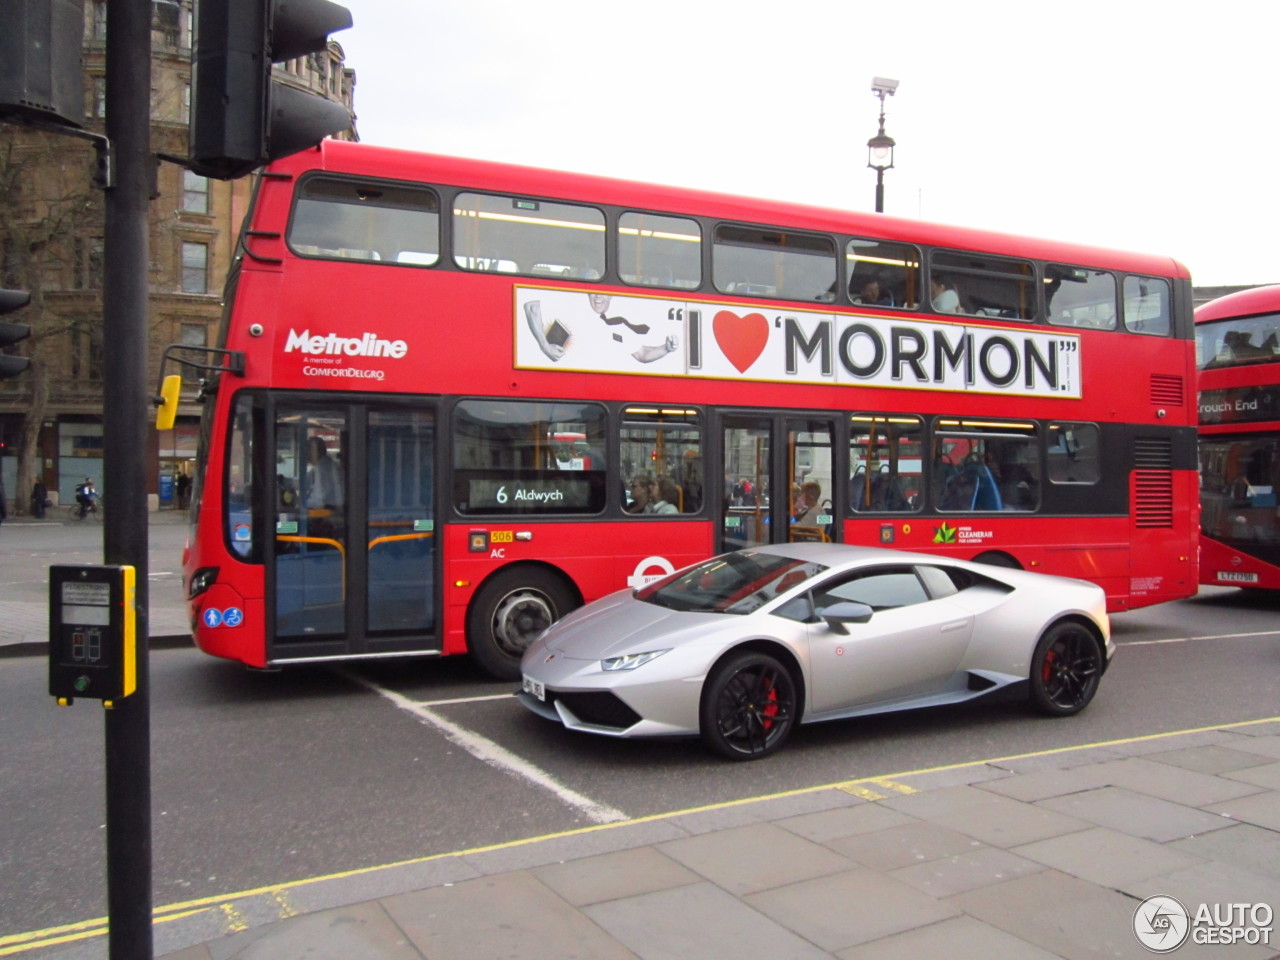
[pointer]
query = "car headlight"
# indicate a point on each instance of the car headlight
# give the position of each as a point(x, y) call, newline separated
point(630, 661)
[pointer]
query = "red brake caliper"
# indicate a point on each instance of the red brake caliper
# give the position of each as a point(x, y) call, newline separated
point(1049, 658)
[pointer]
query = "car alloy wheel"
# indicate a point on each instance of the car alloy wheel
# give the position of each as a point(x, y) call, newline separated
point(748, 706)
point(1066, 669)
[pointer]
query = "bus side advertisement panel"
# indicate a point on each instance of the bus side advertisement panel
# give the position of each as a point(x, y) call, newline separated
point(597, 333)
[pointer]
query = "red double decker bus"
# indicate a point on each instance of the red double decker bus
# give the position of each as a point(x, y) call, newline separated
point(1239, 359)
point(459, 398)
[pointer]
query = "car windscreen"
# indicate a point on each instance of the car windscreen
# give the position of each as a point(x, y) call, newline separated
point(739, 582)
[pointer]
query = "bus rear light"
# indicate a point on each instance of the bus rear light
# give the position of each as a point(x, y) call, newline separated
point(202, 580)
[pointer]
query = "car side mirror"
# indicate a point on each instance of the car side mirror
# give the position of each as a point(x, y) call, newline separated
point(846, 611)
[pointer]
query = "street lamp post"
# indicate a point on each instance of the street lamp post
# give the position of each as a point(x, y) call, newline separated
point(880, 147)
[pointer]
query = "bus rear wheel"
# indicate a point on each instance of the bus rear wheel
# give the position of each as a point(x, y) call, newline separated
point(508, 613)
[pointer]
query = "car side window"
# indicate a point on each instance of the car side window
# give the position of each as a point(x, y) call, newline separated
point(881, 589)
point(798, 608)
point(938, 581)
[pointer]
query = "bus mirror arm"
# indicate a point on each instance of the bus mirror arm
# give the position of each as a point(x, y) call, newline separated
point(168, 391)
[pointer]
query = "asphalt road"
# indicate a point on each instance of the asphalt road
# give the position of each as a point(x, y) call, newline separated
point(28, 549)
point(269, 778)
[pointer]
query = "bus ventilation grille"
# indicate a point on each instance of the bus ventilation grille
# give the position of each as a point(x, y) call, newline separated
point(1154, 501)
point(1153, 482)
point(1167, 390)
point(1152, 453)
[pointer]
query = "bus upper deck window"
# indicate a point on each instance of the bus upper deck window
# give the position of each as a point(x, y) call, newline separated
point(1077, 297)
point(657, 251)
point(364, 220)
point(983, 286)
point(1147, 306)
point(764, 262)
point(540, 238)
point(883, 274)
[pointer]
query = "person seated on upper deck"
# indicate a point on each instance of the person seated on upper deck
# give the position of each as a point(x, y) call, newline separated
point(945, 299)
point(874, 293)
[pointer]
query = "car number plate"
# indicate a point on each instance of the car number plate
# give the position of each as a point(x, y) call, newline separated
point(535, 687)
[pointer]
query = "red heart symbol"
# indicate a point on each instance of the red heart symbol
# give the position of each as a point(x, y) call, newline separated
point(741, 339)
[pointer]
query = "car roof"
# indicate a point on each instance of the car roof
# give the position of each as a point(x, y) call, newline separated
point(836, 554)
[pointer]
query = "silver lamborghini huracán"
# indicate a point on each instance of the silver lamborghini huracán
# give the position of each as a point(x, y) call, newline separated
point(742, 647)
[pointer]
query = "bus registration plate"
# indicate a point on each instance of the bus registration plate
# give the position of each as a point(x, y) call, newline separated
point(535, 688)
point(1235, 576)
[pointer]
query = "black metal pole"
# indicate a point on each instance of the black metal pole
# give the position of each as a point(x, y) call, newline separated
point(124, 423)
point(879, 190)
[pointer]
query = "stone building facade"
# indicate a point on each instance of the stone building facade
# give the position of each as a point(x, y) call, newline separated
point(51, 243)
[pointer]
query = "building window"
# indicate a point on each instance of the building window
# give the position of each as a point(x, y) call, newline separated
point(166, 23)
point(195, 267)
point(88, 266)
point(193, 335)
point(99, 19)
point(195, 190)
point(86, 355)
point(98, 110)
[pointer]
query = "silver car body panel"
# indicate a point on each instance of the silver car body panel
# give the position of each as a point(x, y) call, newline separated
point(942, 651)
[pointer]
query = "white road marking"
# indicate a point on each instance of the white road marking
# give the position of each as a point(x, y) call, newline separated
point(1219, 636)
point(491, 753)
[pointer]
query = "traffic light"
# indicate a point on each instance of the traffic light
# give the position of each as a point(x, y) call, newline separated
point(11, 333)
point(41, 77)
point(241, 116)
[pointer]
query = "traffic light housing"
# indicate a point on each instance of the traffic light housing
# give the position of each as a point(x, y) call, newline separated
point(41, 76)
point(11, 333)
point(241, 116)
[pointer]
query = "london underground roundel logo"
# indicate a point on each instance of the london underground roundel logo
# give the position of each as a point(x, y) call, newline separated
point(1161, 924)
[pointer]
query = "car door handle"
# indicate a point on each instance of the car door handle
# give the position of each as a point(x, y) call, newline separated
point(958, 625)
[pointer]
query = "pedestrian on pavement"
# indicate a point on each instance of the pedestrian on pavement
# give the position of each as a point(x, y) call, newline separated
point(86, 493)
point(39, 496)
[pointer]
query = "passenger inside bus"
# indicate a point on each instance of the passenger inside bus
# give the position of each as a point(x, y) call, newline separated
point(638, 494)
point(873, 292)
point(664, 496)
point(945, 298)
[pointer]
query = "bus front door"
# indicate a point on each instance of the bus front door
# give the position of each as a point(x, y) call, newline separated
point(777, 480)
point(352, 564)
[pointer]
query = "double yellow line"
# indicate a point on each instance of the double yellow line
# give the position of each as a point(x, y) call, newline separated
point(871, 788)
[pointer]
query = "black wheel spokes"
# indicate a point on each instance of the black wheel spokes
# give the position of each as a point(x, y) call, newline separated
point(1072, 671)
point(754, 709)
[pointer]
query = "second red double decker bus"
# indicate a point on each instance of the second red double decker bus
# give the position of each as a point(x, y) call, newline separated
point(1238, 340)
point(460, 398)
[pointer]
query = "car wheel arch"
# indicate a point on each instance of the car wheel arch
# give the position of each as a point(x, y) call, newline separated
point(780, 652)
point(1077, 618)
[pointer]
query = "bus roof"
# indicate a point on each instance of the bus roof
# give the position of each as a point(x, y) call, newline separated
point(396, 164)
point(1242, 303)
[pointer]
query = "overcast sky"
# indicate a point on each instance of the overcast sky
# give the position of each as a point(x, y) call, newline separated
point(1147, 126)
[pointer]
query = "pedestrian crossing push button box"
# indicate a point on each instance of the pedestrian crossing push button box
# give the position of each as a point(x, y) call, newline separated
point(93, 642)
